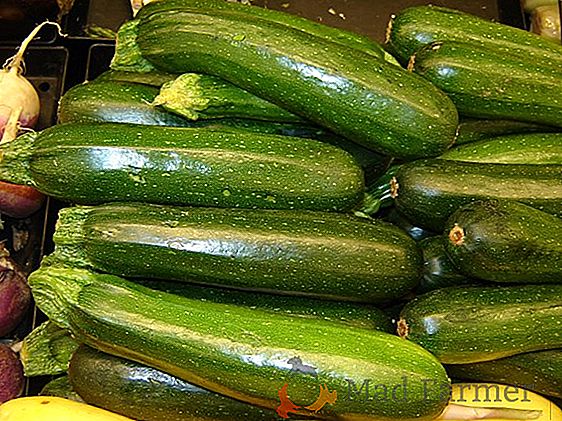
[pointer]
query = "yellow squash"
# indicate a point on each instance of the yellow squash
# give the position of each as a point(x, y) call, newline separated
point(48, 408)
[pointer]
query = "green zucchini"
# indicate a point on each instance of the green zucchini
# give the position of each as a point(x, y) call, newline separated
point(62, 388)
point(369, 101)
point(429, 191)
point(154, 78)
point(462, 325)
point(47, 350)
point(505, 241)
point(128, 57)
point(318, 254)
point(530, 148)
point(485, 83)
point(438, 270)
point(413, 28)
point(353, 314)
point(194, 96)
point(399, 220)
point(126, 102)
point(537, 371)
point(111, 102)
point(240, 352)
point(95, 163)
point(378, 193)
point(325, 32)
point(472, 130)
point(146, 394)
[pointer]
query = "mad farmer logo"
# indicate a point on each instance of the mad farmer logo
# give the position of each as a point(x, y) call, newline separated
point(325, 396)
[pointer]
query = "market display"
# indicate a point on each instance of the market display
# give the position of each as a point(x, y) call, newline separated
point(265, 218)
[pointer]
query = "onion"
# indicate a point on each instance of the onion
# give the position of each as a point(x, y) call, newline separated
point(18, 94)
point(15, 294)
point(11, 374)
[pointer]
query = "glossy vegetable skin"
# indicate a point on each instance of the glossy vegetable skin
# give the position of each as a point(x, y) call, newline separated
point(472, 130)
point(95, 163)
point(414, 27)
point(461, 325)
point(492, 84)
point(240, 352)
point(12, 380)
point(367, 100)
point(505, 241)
point(136, 390)
point(430, 191)
point(324, 255)
point(15, 295)
point(538, 371)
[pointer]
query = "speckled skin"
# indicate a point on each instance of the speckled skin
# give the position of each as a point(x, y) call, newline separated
point(506, 241)
point(462, 325)
point(365, 99)
point(141, 392)
point(538, 371)
point(528, 148)
point(472, 130)
point(93, 163)
point(241, 352)
point(484, 83)
point(430, 191)
point(326, 255)
point(12, 380)
point(415, 27)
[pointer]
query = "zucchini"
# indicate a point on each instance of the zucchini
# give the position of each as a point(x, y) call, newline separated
point(462, 325)
point(154, 78)
point(325, 32)
point(537, 371)
point(47, 350)
point(369, 101)
point(146, 394)
point(485, 83)
point(429, 191)
point(414, 27)
point(353, 314)
point(127, 102)
point(438, 270)
point(194, 96)
point(414, 231)
point(111, 102)
point(61, 388)
point(95, 163)
point(472, 130)
point(318, 254)
point(530, 148)
point(504, 241)
point(240, 352)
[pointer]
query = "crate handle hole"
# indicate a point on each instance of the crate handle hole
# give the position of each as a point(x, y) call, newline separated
point(44, 86)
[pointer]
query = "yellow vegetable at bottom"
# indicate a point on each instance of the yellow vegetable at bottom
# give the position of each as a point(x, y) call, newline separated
point(486, 395)
point(48, 408)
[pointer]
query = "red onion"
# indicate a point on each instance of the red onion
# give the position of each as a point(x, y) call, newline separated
point(15, 294)
point(11, 374)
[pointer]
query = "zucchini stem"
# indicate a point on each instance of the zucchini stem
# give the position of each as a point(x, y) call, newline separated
point(394, 186)
point(389, 29)
point(402, 329)
point(461, 412)
point(456, 235)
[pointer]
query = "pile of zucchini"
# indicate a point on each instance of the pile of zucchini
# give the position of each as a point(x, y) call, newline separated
point(271, 217)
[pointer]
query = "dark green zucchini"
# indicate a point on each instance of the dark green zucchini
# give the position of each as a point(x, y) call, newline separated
point(530, 148)
point(505, 241)
point(128, 102)
point(146, 394)
point(472, 130)
point(154, 78)
point(438, 270)
point(95, 163)
point(462, 325)
point(325, 32)
point(429, 191)
point(491, 84)
point(128, 57)
point(413, 28)
point(61, 388)
point(399, 220)
point(195, 96)
point(378, 193)
point(369, 101)
point(353, 314)
point(47, 350)
point(319, 254)
point(240, 352)
point(537, 371)
point(111, 102)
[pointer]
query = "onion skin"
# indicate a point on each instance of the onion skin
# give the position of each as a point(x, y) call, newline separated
point(19, 201)
point(15, 294)
point(11, 375)
point(17, 92)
